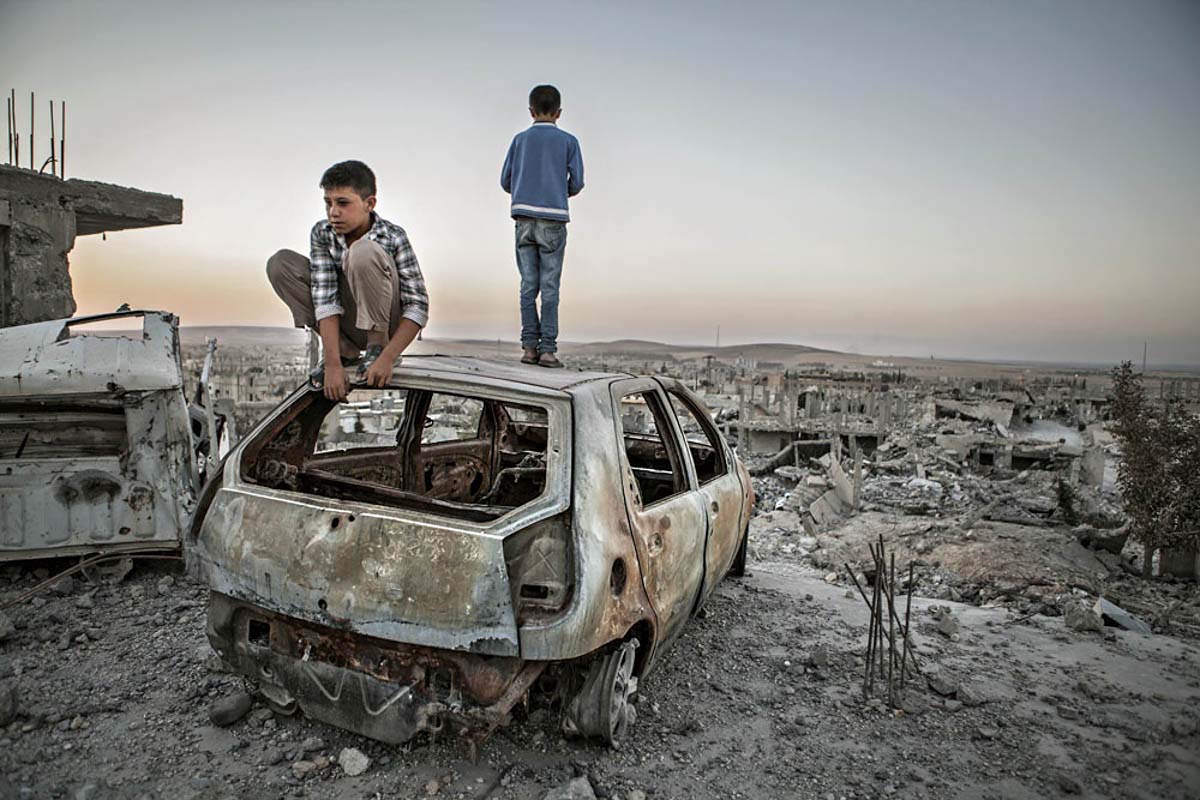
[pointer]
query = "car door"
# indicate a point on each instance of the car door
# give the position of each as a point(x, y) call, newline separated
point(718, 481)
point(455, 458)
point(666, 512)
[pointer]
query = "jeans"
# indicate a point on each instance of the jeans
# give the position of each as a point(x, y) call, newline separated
point(540, 247)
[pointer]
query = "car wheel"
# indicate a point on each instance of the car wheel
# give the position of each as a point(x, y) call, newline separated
point(738, 568)
point(602, 709)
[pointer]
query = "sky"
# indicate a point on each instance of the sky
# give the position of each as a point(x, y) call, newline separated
point(1015, 180)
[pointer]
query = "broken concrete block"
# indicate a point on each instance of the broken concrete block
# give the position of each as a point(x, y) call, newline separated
point(789, 472)
point(1118, 617)
point(913, 704)
point(947, 626)
point(942, 685)
point(1081, 618)
point(974, 694)
point(1111, 541)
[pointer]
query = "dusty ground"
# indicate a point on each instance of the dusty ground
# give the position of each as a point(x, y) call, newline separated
point(760, 699)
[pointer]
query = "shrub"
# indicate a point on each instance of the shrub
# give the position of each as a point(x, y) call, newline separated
point(1160, 465)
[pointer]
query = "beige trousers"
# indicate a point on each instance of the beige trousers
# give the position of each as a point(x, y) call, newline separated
point(368, 290)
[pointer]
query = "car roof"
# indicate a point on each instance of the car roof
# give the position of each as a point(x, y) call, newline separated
point(514, 372)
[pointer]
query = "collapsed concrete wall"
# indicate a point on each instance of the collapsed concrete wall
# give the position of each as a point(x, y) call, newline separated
point(40, 216)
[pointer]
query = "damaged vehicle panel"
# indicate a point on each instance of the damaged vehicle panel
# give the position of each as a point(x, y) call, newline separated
point(95, 445)
point(422, 554)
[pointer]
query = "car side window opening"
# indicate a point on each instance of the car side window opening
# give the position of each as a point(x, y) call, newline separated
point(656, 465)
point(473, 458)
point(452, 419)
point(367, 418)
point(707, 453)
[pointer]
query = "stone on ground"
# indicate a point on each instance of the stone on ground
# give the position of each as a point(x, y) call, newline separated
point(228, 710)
point(353, 761)
point(576, 789)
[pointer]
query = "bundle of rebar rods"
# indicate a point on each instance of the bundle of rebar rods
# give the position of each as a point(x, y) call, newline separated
point(889, 652)
point(57, 160)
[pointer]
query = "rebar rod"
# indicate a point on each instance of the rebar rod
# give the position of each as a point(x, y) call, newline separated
point(892, 633)
point(53, 159)
point(907, 617)
point(876, 642)
point(881, 578)
point(881, 573)
point(8, 122)
point(16, 131)
point(870, 642)
point(870, 645)
point(32, 120)
point(62, 141)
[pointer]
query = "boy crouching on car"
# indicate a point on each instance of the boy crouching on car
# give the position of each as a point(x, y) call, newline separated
point(361, 287)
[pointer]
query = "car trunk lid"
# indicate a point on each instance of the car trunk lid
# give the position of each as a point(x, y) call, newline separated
point(410, 578)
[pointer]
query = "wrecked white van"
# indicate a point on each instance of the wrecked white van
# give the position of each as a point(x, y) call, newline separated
point(95, 446)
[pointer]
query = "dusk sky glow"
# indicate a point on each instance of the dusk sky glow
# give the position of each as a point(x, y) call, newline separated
point(1013, 180)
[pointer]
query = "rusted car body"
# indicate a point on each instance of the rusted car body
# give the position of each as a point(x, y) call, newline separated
point(421, 556)
point(95, 442)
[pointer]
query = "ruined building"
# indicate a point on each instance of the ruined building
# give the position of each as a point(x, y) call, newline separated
point(40, 216)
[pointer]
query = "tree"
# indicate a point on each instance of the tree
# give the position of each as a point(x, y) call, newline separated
point(1160, 461)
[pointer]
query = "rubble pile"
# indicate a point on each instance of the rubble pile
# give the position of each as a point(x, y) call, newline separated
point(991, 510)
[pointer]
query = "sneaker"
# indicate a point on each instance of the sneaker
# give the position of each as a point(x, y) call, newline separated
point(530, 356)
point(549, 360)
point(372, 353)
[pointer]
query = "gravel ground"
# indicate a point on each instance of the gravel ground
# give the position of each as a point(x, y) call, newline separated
point(761, 698)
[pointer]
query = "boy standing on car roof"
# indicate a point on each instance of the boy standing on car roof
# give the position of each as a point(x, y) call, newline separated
point(361, 287)
point(542, 169)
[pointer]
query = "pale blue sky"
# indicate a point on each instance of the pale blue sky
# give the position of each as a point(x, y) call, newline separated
point(979, 179)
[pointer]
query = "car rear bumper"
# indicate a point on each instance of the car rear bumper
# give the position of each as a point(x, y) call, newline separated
point(377, 688)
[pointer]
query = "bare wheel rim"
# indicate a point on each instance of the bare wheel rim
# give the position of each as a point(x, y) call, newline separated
point(621, 686)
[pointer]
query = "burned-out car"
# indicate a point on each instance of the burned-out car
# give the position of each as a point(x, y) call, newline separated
point(423, 555)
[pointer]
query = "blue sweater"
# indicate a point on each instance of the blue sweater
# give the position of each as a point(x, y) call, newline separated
point(542, 169)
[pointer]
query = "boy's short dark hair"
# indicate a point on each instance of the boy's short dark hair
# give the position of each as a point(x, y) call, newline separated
point(354, 174)
point(545, 99)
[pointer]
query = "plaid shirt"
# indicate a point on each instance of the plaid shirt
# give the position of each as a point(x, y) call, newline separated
point(329, 248)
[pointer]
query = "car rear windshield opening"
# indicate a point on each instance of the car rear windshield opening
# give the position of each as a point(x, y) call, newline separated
point(468, 457)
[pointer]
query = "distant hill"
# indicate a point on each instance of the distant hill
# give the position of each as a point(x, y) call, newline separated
point(790, 355)
point(250, 335)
